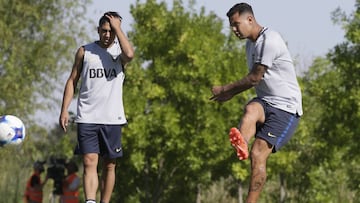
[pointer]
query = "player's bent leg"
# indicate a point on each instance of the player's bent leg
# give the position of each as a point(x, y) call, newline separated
point(90, 176)
point(239, 138)
point(253, 115)
point(259, 153)
point(107, 179)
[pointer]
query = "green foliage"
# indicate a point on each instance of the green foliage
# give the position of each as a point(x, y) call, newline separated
point(175, 134)
point(326, 171)
point(38, 39)
point(176, 147)
point(219, 191)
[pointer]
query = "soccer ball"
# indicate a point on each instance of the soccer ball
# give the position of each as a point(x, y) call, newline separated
point(12, 130)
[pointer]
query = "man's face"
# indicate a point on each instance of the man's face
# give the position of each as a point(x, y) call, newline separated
point(106, 35)
point(241, 25)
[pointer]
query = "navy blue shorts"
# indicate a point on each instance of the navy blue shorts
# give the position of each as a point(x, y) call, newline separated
point(279, 125)
point(104, 140)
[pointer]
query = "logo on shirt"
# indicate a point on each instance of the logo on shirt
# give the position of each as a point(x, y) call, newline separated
point(117, 150)
point(100, 73)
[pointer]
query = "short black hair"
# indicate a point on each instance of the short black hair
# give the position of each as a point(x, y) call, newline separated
point(239, 8)
point(104, 19)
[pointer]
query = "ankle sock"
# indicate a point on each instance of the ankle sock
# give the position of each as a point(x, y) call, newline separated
point(90, 201)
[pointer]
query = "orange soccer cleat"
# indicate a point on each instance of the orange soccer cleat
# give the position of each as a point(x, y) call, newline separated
point(239, 143)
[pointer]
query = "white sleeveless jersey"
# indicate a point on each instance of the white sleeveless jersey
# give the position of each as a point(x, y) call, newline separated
point(279, 86)
point(100, 97)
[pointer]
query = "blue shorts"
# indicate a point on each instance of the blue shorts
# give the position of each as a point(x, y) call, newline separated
point(279, 125)
point(104, 140)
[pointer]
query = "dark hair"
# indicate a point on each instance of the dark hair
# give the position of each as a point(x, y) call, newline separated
point(104, 19)
point(239, 8)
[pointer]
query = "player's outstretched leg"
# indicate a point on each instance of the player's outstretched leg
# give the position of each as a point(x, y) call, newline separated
point(239, 143)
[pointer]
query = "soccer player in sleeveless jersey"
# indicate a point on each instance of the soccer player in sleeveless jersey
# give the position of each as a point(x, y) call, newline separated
point(100, 112)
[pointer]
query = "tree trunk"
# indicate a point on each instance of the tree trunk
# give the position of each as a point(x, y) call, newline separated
point(240, 192)
point(198, 195)
point(282, 188)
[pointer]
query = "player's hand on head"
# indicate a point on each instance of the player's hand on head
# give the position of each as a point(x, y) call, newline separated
point(115, 22)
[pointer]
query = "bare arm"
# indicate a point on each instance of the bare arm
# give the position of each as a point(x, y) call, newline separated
point(226, 92)
point(70, 86)
point(127, 51)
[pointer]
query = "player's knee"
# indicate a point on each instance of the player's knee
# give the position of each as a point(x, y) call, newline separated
point(260, 151)
point(255, 154)
point(90, 160)
point(109, 165)
point(254, 112)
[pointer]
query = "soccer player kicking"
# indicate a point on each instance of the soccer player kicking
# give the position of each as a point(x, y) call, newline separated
point(273, 115)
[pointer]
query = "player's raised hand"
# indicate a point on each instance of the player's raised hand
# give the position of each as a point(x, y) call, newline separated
point(115, 22)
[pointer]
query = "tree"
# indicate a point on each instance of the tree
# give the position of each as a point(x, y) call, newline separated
point(38, 40)
point(176, 141)
point(328, 169)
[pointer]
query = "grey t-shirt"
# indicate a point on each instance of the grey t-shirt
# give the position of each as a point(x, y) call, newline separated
point(100, 97)
point(279, 86)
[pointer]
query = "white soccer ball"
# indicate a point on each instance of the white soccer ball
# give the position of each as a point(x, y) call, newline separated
point(12, 130)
